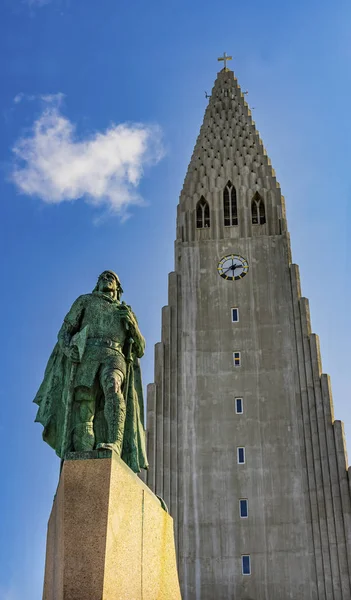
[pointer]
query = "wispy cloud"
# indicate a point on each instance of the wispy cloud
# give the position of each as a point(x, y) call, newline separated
point(49, 98)
point(18, 98)
point(104, 169)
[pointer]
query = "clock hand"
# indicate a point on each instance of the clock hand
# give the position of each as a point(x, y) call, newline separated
point(231, 268)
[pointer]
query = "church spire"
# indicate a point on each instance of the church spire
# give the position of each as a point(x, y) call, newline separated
point(229, 149)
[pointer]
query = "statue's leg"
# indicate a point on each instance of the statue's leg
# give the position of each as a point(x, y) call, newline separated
point(84, 408)
point(111, 381)
point(100, 425)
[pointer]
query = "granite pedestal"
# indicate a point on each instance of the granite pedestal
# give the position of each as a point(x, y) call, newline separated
point(108, 536)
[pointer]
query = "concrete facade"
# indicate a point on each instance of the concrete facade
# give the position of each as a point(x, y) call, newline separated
point(295, 478)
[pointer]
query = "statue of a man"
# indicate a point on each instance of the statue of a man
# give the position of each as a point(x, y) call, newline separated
point(91, 396)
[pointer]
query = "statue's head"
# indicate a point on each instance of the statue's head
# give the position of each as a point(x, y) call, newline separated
point(109, 282)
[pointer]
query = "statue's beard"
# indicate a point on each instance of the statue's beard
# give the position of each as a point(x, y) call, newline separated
point(110, 291)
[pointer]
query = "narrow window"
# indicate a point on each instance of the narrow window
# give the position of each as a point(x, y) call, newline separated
point(246, 564)
point(243, 508)
point(261, 213)
point(258, 213)
point(236, 359)
point(239, 408)
point(241, 456)
point(202, 214)
point(230, 205)
point(254, 213)
point(235, 315)
point(226, 207)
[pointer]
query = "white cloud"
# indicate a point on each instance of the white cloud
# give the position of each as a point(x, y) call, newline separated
point(105, 168)
point(55, 99)
point(18, 98)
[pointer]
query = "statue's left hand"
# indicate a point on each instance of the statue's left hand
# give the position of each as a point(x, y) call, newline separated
point(128, 317)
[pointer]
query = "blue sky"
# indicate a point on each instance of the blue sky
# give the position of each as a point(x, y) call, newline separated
point(76, 77)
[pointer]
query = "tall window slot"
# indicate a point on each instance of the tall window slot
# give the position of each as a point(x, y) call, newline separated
point(243, 508)
point(258, 212)
point(246, 564)
point(230, 205)
point(241, 455)
point(236, 359)
point(239, 407)
point(235, 315)
point(202, 214)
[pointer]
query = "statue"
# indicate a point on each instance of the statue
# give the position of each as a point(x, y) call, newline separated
point(91, 396)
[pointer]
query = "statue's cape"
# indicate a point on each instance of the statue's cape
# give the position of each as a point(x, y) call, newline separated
point(51, 412)
point(134, 451)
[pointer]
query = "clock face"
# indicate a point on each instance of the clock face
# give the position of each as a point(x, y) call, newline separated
point(232, 267)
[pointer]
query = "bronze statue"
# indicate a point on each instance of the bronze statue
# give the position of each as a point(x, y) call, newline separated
point(91, 396)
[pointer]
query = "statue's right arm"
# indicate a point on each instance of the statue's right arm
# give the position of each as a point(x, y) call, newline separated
point(70, 326)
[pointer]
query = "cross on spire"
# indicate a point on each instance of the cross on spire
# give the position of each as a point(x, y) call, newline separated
point(225, 57)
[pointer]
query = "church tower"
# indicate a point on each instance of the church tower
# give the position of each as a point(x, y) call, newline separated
point(242, 441)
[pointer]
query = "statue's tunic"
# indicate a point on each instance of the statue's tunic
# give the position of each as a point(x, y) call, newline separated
point(107, 334)
point(105, 346)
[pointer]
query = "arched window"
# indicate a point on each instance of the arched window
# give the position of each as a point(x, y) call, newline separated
point(230, 205)
point(258, 212)
point(202, 214)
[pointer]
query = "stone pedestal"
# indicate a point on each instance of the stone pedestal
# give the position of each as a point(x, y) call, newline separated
point(108, 537)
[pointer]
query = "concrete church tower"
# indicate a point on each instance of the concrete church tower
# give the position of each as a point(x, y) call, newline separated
point(242, 440)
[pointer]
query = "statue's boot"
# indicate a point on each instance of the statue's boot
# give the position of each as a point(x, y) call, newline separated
point(83, 437)
point(107, 446)
point(115, 415)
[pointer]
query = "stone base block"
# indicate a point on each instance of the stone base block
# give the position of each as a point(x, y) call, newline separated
point(108, 537)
